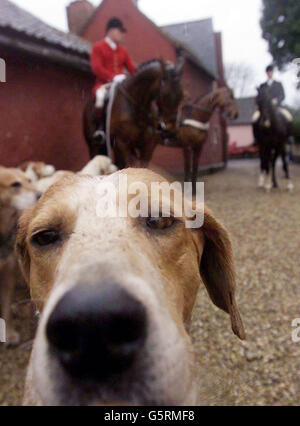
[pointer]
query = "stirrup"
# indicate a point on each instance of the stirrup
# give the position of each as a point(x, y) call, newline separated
point(100, 135)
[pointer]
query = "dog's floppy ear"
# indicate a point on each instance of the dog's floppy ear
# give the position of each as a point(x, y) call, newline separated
point(21, 246)
point(24, 166)
point(217, 270)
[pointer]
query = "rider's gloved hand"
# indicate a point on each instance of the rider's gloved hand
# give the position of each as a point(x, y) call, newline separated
point(275, 101)
point(119, 78)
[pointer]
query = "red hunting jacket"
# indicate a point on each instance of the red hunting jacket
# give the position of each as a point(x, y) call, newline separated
point(107, 63)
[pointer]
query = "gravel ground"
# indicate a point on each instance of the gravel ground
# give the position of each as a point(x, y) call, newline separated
point(265, 233)
point(265, 369)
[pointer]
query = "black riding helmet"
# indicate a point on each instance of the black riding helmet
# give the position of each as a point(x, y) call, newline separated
point(115, 23)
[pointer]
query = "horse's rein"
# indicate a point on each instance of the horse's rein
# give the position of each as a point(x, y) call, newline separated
point(200, 108)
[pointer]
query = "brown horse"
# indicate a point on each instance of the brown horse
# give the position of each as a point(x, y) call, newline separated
point(194, 126)
point(144, 104)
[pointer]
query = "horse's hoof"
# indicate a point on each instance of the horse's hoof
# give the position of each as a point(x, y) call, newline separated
point(268, 188)
point(290, 187)
point(261, 181)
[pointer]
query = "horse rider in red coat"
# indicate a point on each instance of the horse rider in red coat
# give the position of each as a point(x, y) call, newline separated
point(108, 61)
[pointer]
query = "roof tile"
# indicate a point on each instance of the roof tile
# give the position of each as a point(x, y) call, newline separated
point(199, 37)
point(15, 18)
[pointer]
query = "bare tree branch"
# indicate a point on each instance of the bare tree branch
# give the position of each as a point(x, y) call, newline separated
point(240, 77)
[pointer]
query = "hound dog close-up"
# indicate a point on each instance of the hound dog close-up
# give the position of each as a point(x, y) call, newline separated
point(115, 296)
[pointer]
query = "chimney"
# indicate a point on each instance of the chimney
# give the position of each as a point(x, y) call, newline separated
point(220, 63)
point(78, 13)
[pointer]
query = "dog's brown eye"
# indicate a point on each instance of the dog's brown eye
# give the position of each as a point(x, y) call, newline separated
point(16, 185)
point(160, 222)
point(46, 238)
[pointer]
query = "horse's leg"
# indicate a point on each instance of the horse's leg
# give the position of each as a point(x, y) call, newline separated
point(261, 180)
point(89, 128)
point(96, 148)
point(274, 156)
point(93, 148)
point(147, 151)
point(285, 164)
point(122, 155)
point(262, 157)
point(196, 156)
point(257, 137)
point(267, 161)
point(290, 185)
point(187, 164)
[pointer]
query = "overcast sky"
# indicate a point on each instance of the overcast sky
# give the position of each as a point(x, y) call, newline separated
point(238, 20)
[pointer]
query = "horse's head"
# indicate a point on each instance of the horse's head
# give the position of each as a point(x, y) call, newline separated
point(157, 82)
point(224, 99)
point(171, 93)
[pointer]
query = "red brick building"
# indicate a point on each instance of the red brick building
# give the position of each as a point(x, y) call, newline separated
point(48, 81)
point(144, 40)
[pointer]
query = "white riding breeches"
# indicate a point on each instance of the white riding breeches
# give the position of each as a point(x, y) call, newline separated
point(101, 95)
point(286, 113)
point(102, 91)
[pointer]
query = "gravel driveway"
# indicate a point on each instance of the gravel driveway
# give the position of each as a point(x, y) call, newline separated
point(265, 230)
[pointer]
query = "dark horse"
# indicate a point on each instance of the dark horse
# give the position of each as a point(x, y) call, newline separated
point(144, 105)
point(271, 132)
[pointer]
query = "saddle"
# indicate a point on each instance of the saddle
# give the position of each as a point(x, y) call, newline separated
point(283, 111)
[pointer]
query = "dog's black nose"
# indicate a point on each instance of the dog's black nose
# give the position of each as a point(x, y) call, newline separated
point(96, 331)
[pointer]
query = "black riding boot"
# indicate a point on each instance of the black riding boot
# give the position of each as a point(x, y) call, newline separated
point(99, 134)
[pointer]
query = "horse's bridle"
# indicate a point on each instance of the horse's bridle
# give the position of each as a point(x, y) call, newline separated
point(200, 108)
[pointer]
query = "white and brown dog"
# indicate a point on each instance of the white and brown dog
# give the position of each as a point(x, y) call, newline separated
point(36, 170)
point(16, 194)
point(116, 295)
point(99, 166)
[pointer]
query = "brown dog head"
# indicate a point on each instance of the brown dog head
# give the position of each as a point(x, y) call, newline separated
point(70, 251)
point(15, 189)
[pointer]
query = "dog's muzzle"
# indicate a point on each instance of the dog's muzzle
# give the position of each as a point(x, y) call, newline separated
point(97, 331)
